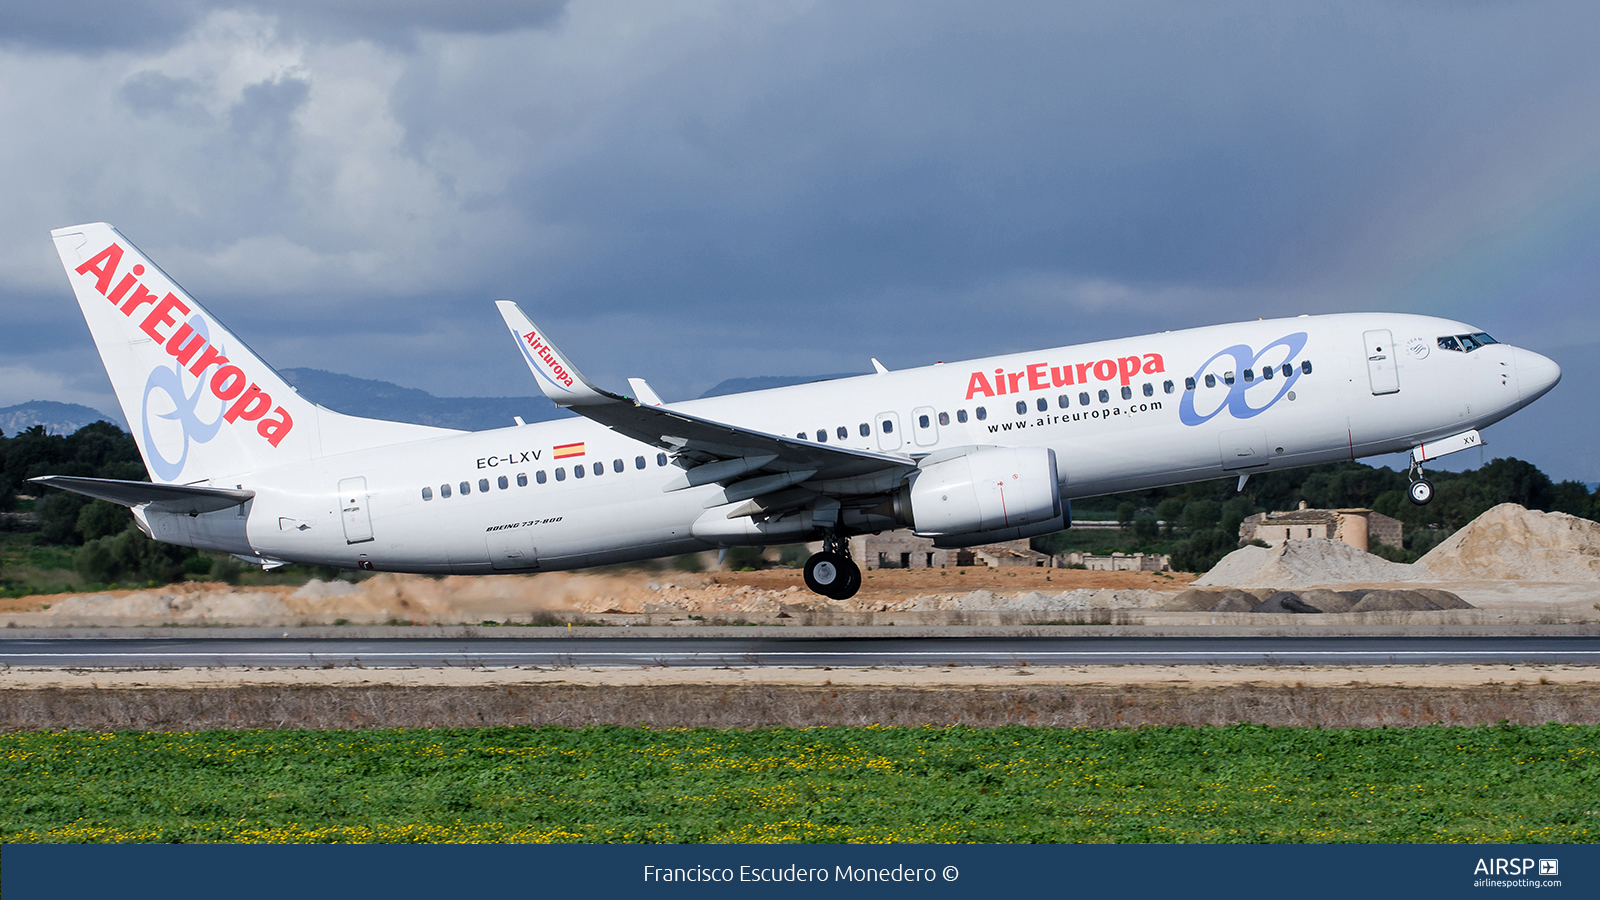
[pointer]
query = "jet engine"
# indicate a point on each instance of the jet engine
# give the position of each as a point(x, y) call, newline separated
point(984, 496)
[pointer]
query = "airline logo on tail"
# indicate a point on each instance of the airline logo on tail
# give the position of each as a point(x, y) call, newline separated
point(190, 346)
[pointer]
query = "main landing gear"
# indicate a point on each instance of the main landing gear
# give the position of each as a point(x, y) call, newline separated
point(1421, 490)
point(832, 573)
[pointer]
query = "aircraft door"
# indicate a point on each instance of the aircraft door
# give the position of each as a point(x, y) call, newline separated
point(924, 426)
point(353, 508)
point(1381, 362)
point(889, 437)
point(512, 548)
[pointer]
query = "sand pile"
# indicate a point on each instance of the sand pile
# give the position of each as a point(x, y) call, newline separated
point(176, 607)
point(1304, 564)
point(1512, 543)
point(1313, 601)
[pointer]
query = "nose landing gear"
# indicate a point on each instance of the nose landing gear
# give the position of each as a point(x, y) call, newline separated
point(1421, 490)
point(832, 573)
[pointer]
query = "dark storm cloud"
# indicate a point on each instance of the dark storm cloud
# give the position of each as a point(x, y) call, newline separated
point(98, 26)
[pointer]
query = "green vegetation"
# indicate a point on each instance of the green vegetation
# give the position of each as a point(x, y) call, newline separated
point(1202, 519)
point(1236, 784)
point(59, 542)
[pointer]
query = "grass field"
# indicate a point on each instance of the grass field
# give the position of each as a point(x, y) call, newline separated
point(1235, 784)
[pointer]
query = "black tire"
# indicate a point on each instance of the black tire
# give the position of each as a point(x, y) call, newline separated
point(850, 584)
point(827, 572)
point(1420, 492)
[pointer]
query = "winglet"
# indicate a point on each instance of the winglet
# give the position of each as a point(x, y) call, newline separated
point(556, 375)
point(642, 391)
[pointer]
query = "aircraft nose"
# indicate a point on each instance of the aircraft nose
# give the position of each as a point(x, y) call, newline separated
point(1536, 374)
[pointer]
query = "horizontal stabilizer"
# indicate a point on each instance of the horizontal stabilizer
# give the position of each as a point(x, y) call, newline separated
point(174, 498)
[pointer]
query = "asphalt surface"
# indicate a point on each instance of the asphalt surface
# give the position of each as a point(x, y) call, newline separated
point(769, 651)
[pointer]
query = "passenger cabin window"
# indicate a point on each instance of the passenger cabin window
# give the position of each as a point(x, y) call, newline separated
point(1287, 369)
point(888, 426)
point(444, 491)
point(578, 471)
point(1267, 373)
point(483, 485)
point(465, 488)
point(1150, 389)
point(1127, 392)
point(427, 493)
point(1249, 375)
point(539, 476)
point(661, 459)
point(1188, 384)
point(982, 413)
point(923, 421)
point(1227, 377)
point(1063, 402)
point(1211, 380)
point(801, 435)
point(1083, 399)
point(503, 482)
point(617, 466)
point(1042, 404)
point(961, 416)
point(599, 468)
point(638, 462)
point(1105, 396)
point(522, 479)
point(1305, 367)
point(944, 418)
point(1167, 387)
point(822, 435)
point(842, 432)
point(561, 474)
point(1022, 407)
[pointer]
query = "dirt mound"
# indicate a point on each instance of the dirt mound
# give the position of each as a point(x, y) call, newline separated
point(1444, 599)
point(1304, 564)
point(1284, 602)
point(1390, 601)
point(1234, 603)
point(176, 607)
point(1193, 600)
point(1328, 601)
point(1513, 543)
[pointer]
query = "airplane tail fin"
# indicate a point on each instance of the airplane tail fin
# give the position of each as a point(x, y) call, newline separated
point(201, 404)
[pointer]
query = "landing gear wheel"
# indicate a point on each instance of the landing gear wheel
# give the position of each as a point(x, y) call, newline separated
point(1421, 491)
point(826, 573)
point(852, 581)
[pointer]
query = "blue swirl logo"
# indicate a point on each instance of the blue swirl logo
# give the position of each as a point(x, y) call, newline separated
point(185, 411)
point(1236, 401)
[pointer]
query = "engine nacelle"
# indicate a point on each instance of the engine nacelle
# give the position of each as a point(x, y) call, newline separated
point(988, 495)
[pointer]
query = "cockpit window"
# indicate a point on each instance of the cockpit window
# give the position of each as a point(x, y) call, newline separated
point(1466, 343)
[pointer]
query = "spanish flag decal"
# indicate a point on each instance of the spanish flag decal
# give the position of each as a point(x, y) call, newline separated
point(563, 451)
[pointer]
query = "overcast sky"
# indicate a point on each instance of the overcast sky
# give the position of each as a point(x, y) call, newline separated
point(693, 191)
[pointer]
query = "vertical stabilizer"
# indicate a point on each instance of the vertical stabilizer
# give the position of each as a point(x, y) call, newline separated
point(201, 404)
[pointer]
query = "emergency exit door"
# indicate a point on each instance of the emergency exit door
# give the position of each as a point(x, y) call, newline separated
point(1381, 362)
point(353, 509)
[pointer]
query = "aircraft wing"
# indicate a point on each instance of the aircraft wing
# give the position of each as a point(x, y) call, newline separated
point(750, 463)
point(176, 498)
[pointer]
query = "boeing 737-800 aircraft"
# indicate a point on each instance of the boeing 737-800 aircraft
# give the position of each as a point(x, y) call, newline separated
point(967, 453)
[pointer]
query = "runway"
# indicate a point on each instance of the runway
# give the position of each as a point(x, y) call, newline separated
point(757, 652)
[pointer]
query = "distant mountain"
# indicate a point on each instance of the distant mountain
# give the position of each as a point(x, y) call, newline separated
point(765, 382)
point(382, 400)
point(57, 418)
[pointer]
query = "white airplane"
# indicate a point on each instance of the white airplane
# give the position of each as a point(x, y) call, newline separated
point(967, 453)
